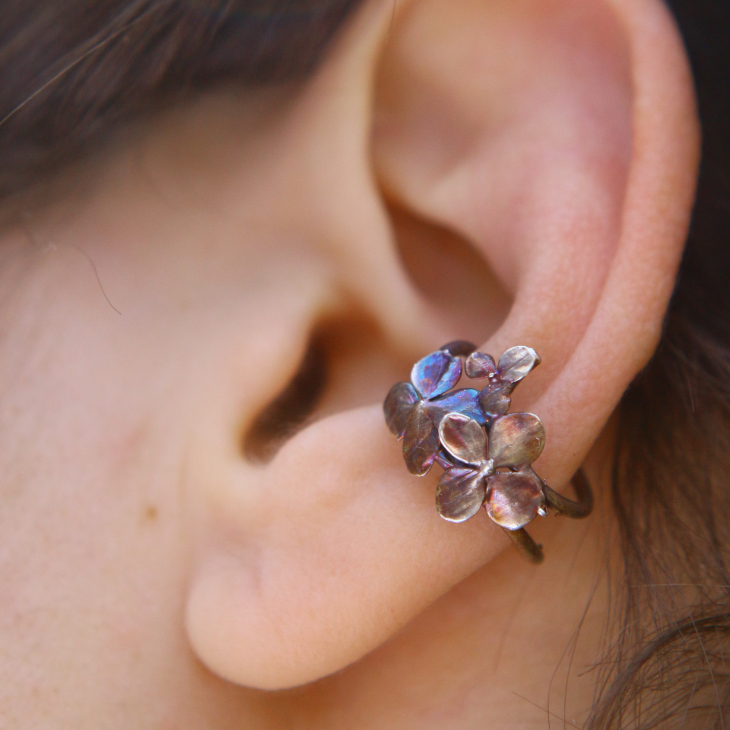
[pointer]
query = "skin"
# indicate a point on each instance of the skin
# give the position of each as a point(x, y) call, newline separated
point(541, 157)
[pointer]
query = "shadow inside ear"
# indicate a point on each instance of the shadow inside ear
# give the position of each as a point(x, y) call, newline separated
point(451, 274)
point(292, 408)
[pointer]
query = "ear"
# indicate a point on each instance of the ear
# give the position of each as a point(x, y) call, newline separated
point(558, 140)
point(561, 140)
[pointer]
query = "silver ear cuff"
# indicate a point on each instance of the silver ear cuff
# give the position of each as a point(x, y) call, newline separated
point(486, 453)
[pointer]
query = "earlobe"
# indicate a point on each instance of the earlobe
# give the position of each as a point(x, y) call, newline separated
point(560, 141)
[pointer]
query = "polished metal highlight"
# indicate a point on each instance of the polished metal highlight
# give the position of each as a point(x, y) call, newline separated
point(485, 452)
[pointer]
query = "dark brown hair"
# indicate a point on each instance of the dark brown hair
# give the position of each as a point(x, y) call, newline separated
point(72, 72)
point(671, 479)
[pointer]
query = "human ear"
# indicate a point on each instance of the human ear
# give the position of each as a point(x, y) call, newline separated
point(559, 140)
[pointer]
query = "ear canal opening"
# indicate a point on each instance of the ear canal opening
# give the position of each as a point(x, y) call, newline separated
point(451, 274)
point(348, 363)
point(292, 408)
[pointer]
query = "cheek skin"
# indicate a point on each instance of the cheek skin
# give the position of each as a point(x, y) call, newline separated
point(99, 411)
point(113, 409)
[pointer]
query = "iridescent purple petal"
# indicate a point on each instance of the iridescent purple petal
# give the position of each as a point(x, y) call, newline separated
point(464, 400)
point(516, 363)
point(516, 440)
point(480, 365)
point(513, 500)
point(459, 494)
point(463, 438)
point(420, 441)
point(398, 405)
point(436, 373)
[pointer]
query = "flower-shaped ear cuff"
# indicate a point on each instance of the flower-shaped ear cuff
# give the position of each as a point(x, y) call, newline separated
point(485, 453)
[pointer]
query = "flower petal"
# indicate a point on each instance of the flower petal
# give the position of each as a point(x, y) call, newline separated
point(516, 363)
point(459, 494)
point(516, 440)
point(464, 400)
point(513, 499)
point(444, 460)
point(420, 441)
point(463, 438)
point(495, 401)
point(480, 365)
point(398, 405)
point(436, 373)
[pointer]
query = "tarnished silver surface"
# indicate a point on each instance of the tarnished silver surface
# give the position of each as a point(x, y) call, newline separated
point(421, 441)
point(459, 347)
point(398, 406)
point(480, 365)
point(513, 366)
point(526, 545)
point(463, 400)
point(494, 402)
point(462, 488)
point(459, 494)
point(577, 509)
point(470, 435)
point(463, 438)
point(414, 410)
point(436, 373)
point(516, 440)
point(513, 499)
point(517, 362)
